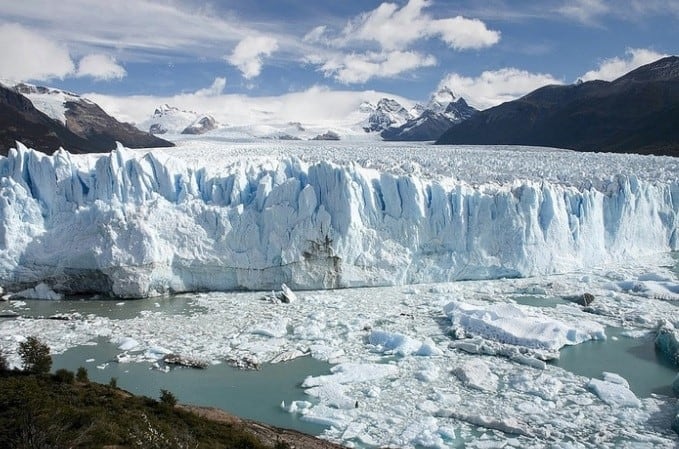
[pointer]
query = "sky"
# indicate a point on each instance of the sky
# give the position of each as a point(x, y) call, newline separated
point(195, 51)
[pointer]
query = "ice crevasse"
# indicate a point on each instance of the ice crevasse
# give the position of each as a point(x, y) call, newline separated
point(134, 225)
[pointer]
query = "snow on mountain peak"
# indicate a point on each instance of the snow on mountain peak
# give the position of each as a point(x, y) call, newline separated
point(172, 120)
point(440, 100)
point(388, 113)
point(48, 100)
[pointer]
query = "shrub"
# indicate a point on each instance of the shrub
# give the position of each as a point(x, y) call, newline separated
point(167, 398)
point(113, 383)
point(64, 376)
point(35, 356)
point(81, 375)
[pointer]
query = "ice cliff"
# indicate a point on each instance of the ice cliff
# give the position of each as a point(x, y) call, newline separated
point(135, 225)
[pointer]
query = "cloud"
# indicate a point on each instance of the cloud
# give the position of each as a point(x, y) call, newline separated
point(396, 28)
point(125, 25)
point(27, 55)
point(610, 69)
point(315, 106)
point(496, 86)
point(359, 68)
point(215, 89)
point(316, 35)
point(585, 11)
point(590, 12)
point(248, 54)
point(100, 67)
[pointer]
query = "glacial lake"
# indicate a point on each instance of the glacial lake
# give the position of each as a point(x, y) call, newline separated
point(258, 394)
point(251, 394)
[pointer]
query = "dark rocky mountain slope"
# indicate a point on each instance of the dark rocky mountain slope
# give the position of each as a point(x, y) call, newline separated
point(87, 128)
point(636, 113)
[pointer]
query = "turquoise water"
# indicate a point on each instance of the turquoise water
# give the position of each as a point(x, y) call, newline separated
point(248, 394)
point(113, 309)
point(635, 359)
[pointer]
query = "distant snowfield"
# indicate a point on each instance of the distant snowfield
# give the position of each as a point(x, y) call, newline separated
point(476, 165)
point(419, 361)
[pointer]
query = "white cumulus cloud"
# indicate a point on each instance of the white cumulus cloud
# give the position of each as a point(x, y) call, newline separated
point(27, 55)
point(396, 28)
point(249, 53)
point(359, 68)
point(496, 86)
point(610, 69)
point(100, 67)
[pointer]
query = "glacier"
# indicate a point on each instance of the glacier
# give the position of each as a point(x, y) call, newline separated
point(143, 223)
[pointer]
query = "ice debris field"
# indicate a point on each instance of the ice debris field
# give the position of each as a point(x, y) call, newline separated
point(418, 361)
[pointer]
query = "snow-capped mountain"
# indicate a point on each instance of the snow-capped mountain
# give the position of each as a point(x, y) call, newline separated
point(201, 125)
point(386, 114)
point(172, 120)
point(440, 100)
point(442, 111)
point(428, 126)
point(48, 118)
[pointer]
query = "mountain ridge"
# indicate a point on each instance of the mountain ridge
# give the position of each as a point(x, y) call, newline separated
point(637, 112)
point(63, 120)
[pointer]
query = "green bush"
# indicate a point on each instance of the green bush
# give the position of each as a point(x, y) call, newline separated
point(81, 375)
point(64, 376)
point(113, 383)
point(167, 398)
point(35, 356)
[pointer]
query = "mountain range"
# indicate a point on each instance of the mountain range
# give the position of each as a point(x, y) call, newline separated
point(394, 122)
point(46, 119)
point(638, 112)
point(170, 119)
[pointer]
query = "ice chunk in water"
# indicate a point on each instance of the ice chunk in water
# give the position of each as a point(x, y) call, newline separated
point(613, 392)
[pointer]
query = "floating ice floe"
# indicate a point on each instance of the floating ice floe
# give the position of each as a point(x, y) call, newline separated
point(614, 391)
point(285, 295)
point(127, 343)
point(506, 323)
point(400, 344)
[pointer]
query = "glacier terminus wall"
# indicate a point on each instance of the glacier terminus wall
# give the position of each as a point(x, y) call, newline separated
point(133, 224)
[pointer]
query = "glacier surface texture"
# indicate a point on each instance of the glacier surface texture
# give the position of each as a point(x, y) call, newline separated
point(138, 224)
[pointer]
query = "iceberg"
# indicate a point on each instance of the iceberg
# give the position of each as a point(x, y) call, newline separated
point(507, 323)
point(667, 341)
point(134, 224)
point(614, 391)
